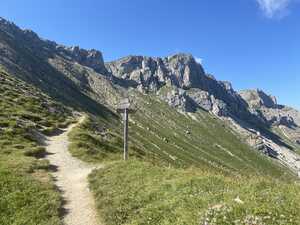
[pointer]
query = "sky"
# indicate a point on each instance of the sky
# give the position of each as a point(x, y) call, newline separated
point(251, 43)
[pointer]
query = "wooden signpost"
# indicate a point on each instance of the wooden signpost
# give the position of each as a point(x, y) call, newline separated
point(124, 108)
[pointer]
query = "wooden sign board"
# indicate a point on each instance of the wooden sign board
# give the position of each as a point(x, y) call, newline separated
point(124, 105)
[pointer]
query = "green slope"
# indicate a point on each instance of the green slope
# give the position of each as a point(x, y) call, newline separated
point(28, 195)
point(198, 139)
point(164, 136)
point(136, 193)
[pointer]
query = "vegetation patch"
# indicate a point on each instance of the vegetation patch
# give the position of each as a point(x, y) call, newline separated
point(28, 195)
point(139, 193)
point(96, 140)
point(25, 200)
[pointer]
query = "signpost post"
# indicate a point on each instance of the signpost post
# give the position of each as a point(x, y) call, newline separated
point(124, 108)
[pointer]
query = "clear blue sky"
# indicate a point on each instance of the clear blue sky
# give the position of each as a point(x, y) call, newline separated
point(252, 43)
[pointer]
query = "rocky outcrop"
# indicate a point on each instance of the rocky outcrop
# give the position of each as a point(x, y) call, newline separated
point(201, 98)
point(90, 58)
point(257, 99)
point(180, 70)
point(208, 102)
point(183, 72)
point(177, 98)
point(265, 106)
point(45, 49)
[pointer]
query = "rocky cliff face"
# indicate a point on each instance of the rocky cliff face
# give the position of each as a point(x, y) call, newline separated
point(183, 84)
point(257, 98)
point(182, 73)
point(266, 107)
point(149, 73)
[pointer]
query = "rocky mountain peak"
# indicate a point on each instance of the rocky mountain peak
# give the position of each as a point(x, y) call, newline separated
point(265, 106)
point(258, 98)
point(180, 70)
point(90, 58)
point(186, 71)
point(183, 58)
point(8, 26)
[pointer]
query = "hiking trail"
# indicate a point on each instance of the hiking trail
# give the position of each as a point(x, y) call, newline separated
point(71, 178)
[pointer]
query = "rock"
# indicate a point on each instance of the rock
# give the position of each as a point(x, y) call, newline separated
point(266, 108)
point(91, 58)
point(201, 98)
point(238, 200)
point(52, 110)
point(184, 71)
point(286, 121)
point(177, 98)
point(219, 107)
point(217, 207)
point(257, 98)
point(180, 70)
point(48, 49)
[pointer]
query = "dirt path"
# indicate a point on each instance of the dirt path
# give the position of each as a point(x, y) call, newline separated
point(71, 179)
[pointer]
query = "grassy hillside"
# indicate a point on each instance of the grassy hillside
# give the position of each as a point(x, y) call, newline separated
point(100, 139)
point(139, 193)
point(164, 136)
point(92, 141)
point(197, 139)
point(28, 195)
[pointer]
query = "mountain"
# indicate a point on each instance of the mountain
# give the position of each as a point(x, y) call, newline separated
point(183, 73)
point(184, 116)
